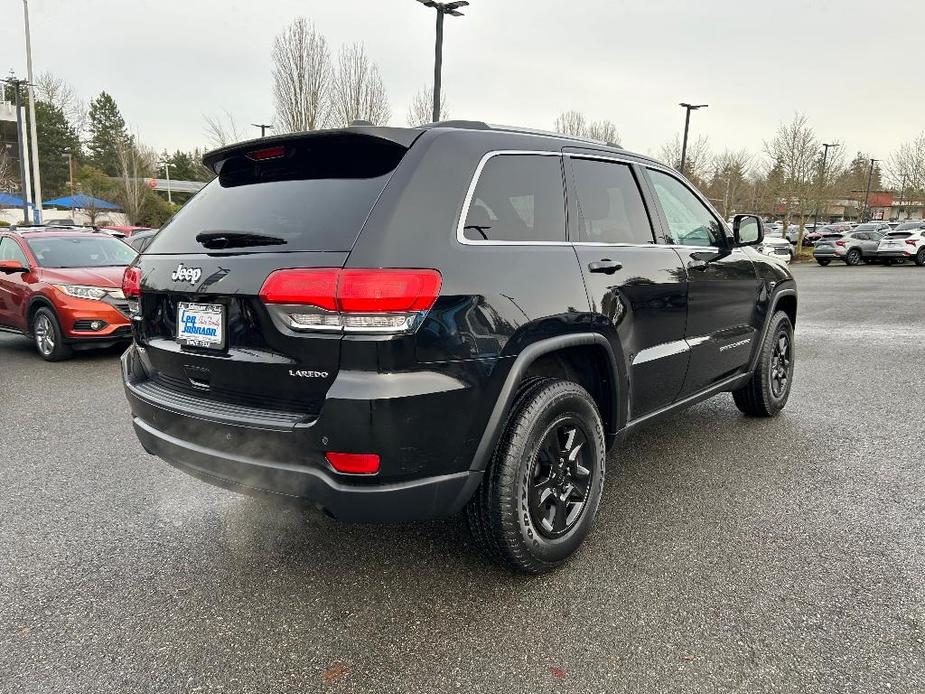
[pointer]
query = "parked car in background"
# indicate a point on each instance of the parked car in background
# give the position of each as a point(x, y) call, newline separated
point(858, 245)
point(811, 237)
point(776, 246)
point(824, 249)
point(140, 240)
point(63, 288)
point(905, 243)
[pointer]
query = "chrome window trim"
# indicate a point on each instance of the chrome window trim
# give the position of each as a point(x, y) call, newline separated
point(467, 202)
point(470, 193)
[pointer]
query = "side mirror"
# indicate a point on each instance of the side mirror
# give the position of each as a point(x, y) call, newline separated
point(11, 267)
point(747, 230)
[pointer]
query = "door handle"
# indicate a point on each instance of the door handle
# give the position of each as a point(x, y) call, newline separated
point(697, 265)
point(605, 266)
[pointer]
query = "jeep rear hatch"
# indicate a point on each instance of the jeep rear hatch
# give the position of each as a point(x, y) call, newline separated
point(278, 204)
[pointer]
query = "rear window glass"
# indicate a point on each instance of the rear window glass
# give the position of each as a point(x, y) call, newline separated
point(899, 234)
point(315, 197)
point(909, 226)
point(610, 207)
point(80, 251)
point(519, 197)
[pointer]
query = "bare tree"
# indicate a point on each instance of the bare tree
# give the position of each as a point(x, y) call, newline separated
point(359, 93)
point(577, 124)
point(223, 130)
point(136, 165)
point(906, 171)
point(729, 185)
point(603, 130)
point(421, 110)
point(56, 91)
point(794, 151)
point(302, 77)
point(699, 157)
point(9, 170)
point(572, 123)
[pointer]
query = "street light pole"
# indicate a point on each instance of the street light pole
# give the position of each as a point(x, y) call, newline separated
point(447, 8)
point(870, 175)
point(263, 128)
point(687, 124)
point(36, 176)
point(825, 155)
point(167, 166)
point(16, 85)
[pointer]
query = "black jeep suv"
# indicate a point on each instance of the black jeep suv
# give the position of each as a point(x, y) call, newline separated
point(402, 323)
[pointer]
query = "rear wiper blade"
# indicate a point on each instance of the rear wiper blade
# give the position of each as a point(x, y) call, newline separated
point(237, 239)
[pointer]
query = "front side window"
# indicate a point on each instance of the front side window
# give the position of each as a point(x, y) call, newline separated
point(690, 223)
point(80, 251)
point(610, 206)
point(518, 197)
point(10, 250)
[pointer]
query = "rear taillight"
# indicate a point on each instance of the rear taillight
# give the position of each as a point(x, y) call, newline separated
point(354, 463)
point(911, 242)
point(331, 299)
point(841, 243)
point(131, 282)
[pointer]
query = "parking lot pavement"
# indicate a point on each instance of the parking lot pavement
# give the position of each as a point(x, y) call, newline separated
point(730, 554)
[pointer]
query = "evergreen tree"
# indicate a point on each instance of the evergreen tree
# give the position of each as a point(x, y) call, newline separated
point(107, 131)
point(56, 138)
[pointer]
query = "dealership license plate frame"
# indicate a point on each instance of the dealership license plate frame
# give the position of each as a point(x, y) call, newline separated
point(197, 308)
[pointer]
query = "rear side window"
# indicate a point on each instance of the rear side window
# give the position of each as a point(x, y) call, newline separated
point(314, 197)
point(610, 206)
point(518, 197)
point(10, 250)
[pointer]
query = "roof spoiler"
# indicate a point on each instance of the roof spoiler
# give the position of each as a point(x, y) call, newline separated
point(404, 137)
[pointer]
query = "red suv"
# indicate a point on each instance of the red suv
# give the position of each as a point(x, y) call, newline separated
point(64, 288)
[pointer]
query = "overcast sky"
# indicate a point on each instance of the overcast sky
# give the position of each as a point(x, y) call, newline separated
point(852, 66)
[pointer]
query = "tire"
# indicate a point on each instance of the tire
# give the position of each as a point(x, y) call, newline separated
point(920, 257)
point(854, 257)
point(823, 261)
point(517, 514)
point(888, 261)
point(769, 388)
point(48, 336)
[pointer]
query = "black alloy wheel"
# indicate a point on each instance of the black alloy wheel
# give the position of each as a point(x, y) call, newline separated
point(780, 365)
point(560, 478)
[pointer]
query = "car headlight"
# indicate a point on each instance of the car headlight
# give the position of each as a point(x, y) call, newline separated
point(81, 292)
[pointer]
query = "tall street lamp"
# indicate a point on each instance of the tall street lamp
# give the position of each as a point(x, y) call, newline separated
point(870, 175)
point(263, 128)
point(825, 155)
point(443, 8)
point(167, 166)
point(17, 85)
point(36, 176)
point(687, 124)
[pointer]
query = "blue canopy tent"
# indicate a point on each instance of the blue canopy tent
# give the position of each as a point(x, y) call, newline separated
point(7, 200)
point(82, 202)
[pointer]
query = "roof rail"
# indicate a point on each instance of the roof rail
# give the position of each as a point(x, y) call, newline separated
point(481, 125)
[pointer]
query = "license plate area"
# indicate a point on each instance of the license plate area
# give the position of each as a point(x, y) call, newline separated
point(201, 325)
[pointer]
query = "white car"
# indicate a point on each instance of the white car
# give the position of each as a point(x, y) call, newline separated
point(775, 245)
point(906, 242)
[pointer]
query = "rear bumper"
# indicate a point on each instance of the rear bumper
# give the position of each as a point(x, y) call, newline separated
point(425, 466)
point(420, 499)
point(893, 254)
